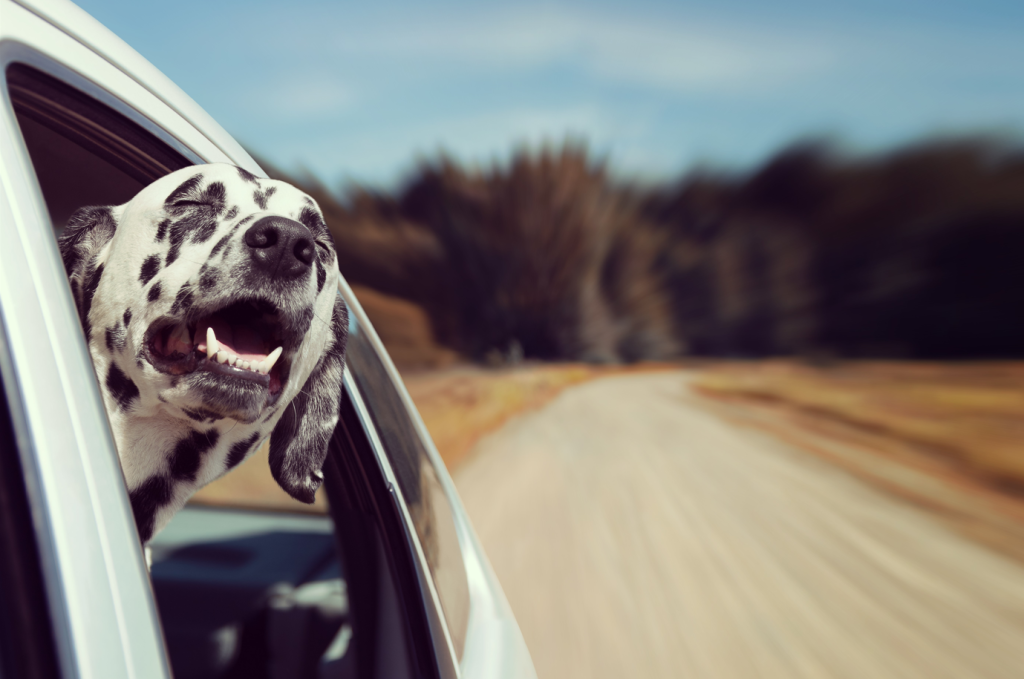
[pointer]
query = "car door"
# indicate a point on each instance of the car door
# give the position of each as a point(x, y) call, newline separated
point(76, 130)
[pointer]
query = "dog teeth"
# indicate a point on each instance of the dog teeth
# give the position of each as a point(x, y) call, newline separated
point(270, 360)
point(222, 356)
point(212, 345)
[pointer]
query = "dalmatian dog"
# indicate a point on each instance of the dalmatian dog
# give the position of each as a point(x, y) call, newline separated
point(210, 306)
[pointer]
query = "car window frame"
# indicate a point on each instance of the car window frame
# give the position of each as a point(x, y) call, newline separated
point(11, 51)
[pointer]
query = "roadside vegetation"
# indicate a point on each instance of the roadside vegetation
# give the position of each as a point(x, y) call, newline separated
point(911, 254)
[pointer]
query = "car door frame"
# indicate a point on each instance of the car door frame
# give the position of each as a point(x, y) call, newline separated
point(81, 515)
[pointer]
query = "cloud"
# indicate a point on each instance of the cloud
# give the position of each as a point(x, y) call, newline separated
point(649, 52)
point(302, 96)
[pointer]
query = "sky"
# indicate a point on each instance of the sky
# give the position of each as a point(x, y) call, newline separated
point(360, 92)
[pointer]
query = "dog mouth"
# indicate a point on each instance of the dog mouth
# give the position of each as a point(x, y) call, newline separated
point(240, 341)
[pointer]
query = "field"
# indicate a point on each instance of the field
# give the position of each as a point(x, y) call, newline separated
point(971, 416)
point(948, 437)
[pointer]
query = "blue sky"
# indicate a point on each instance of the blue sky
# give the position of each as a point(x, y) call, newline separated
point(359, 91)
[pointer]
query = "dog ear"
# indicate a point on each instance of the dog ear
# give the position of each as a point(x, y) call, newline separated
point(88, 230)
point(298, 444)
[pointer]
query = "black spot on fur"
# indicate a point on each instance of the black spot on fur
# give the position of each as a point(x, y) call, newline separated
point(184, 189)
point(150, 267)
point(321, 276)
point(312, 220)
point(221, 243)
point(261, 197)
point(247, 176)
point(127, 318)
point(154, 292)
point(92, 281)
point(183, 300)
point(161, 231)
point(177, 238)
point(232, 213)
point(240, 450)
point(204, 231)
point(208, 278)
point(121, 387)
point(147, 500)
point(214, 196)
point(188, 454)
point(116, 338)
point(87, 230)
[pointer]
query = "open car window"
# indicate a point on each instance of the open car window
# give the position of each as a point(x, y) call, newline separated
point(83, 153)
point(242, 593)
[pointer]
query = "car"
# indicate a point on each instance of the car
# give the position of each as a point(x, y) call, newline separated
point(390, 582)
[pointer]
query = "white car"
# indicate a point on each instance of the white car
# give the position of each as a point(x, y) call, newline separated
point(392, 583)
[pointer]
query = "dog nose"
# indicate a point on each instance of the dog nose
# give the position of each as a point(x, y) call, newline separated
point(282, 247)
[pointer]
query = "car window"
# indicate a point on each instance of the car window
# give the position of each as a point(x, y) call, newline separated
point(240, 593)
point(427, 502)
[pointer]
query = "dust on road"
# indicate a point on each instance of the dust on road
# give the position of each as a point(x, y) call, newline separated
point(637, 535)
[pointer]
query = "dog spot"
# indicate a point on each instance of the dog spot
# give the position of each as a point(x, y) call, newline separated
point(184, 189)
point(177, 238)
point(121, 387)
point(321, 276)
point(220, 244)
point(261, 197)
point(239, 450)
point(146, 501)
point(183, 300)
point(92, 281)
point(150, 267)
point(312, 220)
point(116, 338)
point(201, 415)
point(247, 176)
point(127, 318)
point(215, 197)
point(188, 454)
point(161, 230)
point(154, 292)
point(208, 278)
point(232, 213)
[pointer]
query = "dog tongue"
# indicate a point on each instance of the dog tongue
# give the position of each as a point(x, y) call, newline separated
point(239, 340)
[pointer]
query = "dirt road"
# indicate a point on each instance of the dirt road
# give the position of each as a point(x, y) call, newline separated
point(638, 535)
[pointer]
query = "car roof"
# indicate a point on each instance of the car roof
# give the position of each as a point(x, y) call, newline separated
point(77, 23)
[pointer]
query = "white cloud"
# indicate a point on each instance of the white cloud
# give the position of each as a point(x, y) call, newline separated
point(304, 96)
point(677, 55)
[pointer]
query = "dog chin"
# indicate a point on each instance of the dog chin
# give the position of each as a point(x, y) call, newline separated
point(232, 398)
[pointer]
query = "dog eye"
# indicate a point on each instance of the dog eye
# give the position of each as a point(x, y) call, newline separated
point(185, 203)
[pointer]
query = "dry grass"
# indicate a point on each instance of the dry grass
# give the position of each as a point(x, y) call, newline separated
point(462, 405)
point(459, 405)
point(970, 414)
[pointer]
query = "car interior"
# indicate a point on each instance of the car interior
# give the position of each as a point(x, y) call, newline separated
point(244, 593)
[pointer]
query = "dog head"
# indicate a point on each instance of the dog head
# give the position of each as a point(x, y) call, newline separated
point(210, 306)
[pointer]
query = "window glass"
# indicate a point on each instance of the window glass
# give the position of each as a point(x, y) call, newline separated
point(428, 505)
